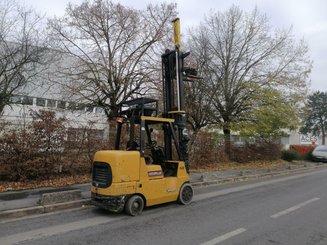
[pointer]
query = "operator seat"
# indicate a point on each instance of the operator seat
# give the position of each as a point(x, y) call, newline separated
point(158, 155)
point(132, 145)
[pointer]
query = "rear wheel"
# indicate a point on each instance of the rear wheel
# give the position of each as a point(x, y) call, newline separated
point(185, 194)
point(134, 205)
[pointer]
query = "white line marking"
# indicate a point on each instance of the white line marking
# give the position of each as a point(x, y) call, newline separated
point(291, 209)
point(224, 237)
point(55, 230)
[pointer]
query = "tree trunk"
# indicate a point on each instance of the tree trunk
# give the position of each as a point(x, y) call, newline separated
point(227, 136)
point(2, 107)
point(193, 138)
point(112, 134)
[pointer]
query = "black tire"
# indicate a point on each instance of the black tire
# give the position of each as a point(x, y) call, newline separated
point(134, 205)
point(185, 194)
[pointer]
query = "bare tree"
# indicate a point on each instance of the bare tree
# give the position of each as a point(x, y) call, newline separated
point(22, 48)
point(238, 54)
point(197, 106)
point(113, 49)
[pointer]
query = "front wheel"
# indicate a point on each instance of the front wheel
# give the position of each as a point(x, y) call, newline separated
point(134, 205)
point(185, 194)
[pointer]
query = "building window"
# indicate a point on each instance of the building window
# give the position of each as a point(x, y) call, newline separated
point(71, 134)
point(95, 134)
point(61, 104)
point(285, 140)
point(80, 107)
point(16, 99)
point(72, 106)
point(89, 108)
point(27, 100)
point(40, 102)
point(99, 110)
point(75, 134)
point(51, 103)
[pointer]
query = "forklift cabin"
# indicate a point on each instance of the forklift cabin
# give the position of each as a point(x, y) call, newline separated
point(141, 116)
point(140, 171)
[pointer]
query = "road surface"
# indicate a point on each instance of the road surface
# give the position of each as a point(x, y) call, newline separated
point(285, 210)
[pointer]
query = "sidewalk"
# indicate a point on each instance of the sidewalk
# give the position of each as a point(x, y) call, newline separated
point(15, 204)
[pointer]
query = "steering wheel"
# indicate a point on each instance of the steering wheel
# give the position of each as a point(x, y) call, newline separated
point(152, 144)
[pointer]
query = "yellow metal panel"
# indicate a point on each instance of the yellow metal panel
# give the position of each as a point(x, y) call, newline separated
point(157, 119)
point(157, 191)
point(172, 184)
point(125, 165)
point(153, 188)
point(177, 32)
point(116, 189)
point(182, 173)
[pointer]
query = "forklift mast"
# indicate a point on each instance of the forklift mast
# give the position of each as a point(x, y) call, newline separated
point(173, 96)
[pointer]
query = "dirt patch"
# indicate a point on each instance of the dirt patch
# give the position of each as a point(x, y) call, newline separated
point(239, 166)
point(52, 182)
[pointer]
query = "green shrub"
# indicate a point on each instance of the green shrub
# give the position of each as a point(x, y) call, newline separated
point(290, 155)
point(258, 151)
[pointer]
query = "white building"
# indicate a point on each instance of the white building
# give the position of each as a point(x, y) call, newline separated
point(78, 116)
point(45, 92)
point(296, 138)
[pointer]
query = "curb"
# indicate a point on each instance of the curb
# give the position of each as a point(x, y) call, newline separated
point(253, 177)
point(18, 213)
point(41, 209)
point(58, 196)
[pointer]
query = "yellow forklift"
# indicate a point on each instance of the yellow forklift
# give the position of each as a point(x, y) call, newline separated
point(149, 165)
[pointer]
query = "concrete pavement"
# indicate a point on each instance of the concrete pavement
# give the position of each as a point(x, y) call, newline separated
point(288, 209)
point(14, 204)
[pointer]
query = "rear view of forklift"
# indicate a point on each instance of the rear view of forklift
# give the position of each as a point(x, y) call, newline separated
point(149, 165)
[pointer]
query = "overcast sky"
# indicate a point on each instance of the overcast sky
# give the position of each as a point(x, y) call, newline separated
point(308, 18)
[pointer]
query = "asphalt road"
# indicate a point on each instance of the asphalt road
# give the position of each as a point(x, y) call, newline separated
point(285, 210)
